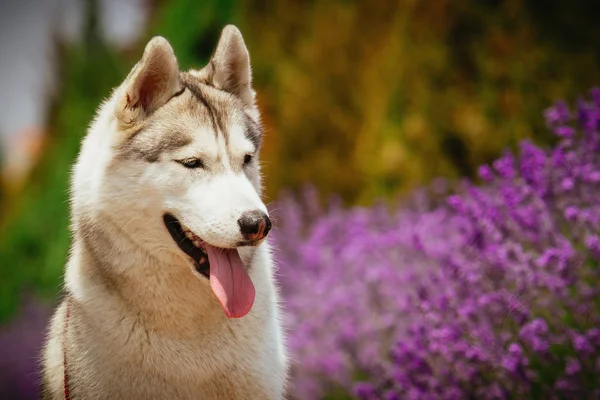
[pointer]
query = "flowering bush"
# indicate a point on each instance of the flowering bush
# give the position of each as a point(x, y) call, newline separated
point(493, 293)
point(21, 342)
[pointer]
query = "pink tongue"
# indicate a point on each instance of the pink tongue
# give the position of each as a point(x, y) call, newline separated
point(230, 282)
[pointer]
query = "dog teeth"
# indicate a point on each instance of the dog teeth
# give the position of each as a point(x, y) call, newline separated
point(191, 236)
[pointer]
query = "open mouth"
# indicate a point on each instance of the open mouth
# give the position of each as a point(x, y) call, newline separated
point(229, 279)
point(189, 243)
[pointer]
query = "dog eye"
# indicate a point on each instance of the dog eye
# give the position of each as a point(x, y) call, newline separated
point(192, 163)
point(247, 159)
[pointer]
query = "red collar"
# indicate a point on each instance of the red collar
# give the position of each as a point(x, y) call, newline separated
point(66, 377)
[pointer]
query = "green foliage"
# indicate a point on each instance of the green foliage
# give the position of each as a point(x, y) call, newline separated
point(35, 237)
point(369, 99)
point(193, 27)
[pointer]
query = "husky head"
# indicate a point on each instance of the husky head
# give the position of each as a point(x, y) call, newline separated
point(172, 161)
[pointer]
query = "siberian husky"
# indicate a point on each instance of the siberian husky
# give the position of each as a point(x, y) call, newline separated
point(169, 288)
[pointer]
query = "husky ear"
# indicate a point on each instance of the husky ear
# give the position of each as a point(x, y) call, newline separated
point(230, 66)
point(150, 84)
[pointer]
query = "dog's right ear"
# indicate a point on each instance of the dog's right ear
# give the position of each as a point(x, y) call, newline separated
point(150, 84)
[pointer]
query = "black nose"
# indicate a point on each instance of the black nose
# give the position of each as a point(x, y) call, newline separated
point(254, 225)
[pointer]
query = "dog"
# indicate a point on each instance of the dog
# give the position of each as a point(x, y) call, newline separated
point(169, 286)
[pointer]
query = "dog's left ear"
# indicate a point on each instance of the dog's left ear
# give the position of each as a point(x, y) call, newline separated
point(230, 66)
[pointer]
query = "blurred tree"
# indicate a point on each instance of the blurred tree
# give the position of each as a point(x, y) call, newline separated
point(370, 99)
point(2, 188)
point(572, 27)
point(193, 27)
point(35, 236)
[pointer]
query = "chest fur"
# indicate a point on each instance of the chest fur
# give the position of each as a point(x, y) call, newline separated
point(235, 359)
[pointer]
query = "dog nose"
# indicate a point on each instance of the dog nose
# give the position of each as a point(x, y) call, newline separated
point(254, 225)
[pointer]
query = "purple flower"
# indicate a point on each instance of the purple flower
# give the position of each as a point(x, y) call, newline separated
point(365, 391)
point(592, 242)
point(477, 296)
point(573, 366)
point(486, 173)
point(558, 114)
point(581, 344)
point(505, 166)
point(391, 395)
point(571, 213)
point(565, 131)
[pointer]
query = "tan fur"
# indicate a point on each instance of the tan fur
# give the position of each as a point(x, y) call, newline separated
point(143, 323)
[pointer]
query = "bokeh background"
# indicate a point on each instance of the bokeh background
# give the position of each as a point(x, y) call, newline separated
point(365, 101)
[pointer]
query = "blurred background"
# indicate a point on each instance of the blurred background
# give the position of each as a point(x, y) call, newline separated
point(366, 100)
